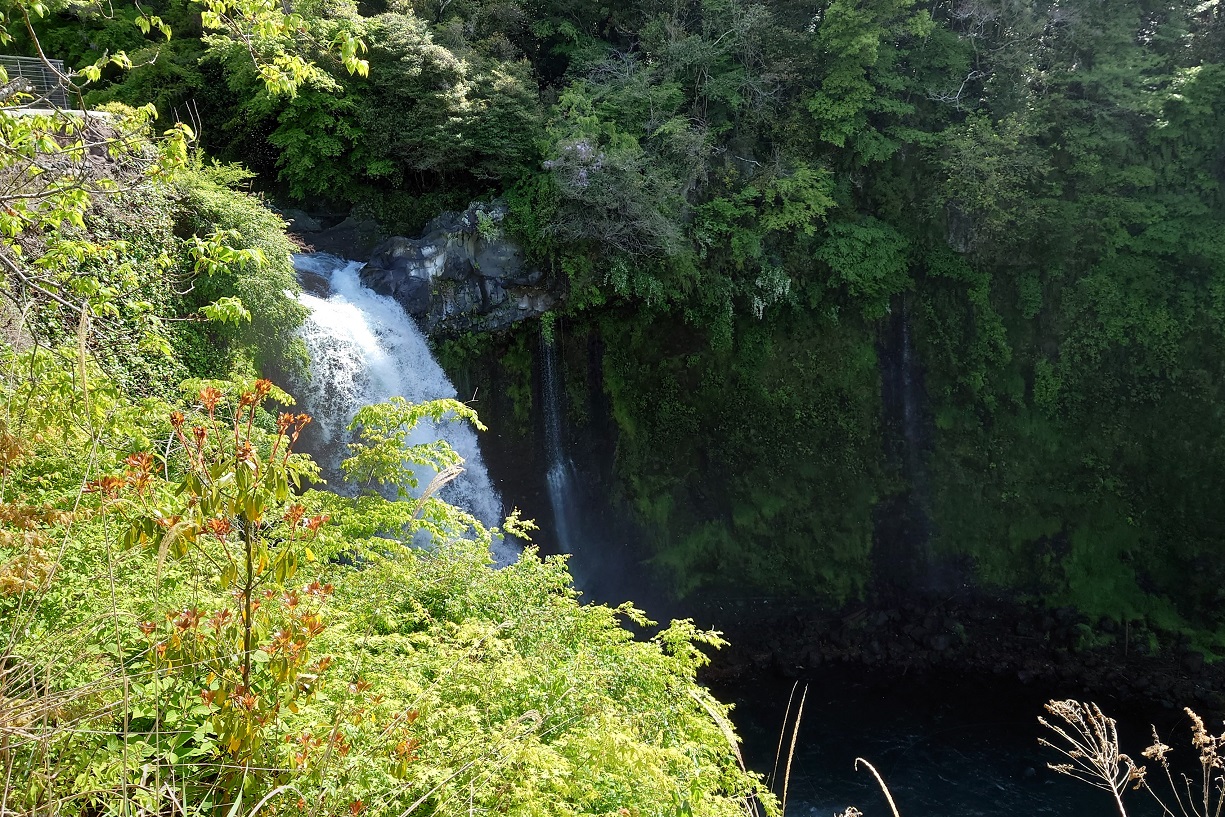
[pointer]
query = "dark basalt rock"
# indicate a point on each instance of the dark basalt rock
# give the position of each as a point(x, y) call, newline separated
point(974, 637)
point(298, 221)
point(462, 274)
point(411, 292)
point(350, 238)
point(314, 283)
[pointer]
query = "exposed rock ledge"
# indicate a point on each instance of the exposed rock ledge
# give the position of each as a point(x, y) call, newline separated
point(1058, 650)
point(461, 275)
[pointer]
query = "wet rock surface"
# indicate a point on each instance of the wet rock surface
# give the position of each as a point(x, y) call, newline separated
point(1057, 650)
point(462, 274)
point(299, 221)
point(353, 238)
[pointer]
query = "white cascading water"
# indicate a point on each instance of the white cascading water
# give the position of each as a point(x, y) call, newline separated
point(561, 476)
point(365, 349)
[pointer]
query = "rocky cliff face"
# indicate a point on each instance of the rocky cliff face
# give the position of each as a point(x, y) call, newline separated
point(461, 275)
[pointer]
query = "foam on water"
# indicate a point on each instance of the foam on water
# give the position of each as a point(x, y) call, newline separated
point(365, 349)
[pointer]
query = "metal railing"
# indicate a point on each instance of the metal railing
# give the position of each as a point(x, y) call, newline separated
point(47, 86)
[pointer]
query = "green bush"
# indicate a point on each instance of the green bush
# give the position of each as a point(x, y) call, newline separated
point(269, 339)
point(209, 638)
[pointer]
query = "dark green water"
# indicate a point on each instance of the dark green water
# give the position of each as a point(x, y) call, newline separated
point(946, 746)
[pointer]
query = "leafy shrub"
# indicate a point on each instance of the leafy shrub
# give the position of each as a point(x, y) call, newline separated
point(266, 290)
point(393, 680)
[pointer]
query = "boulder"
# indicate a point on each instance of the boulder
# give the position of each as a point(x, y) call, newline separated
point(412, 292)
point(314, 283)
point(462, 274)
point(299, 221)
point(352, 238)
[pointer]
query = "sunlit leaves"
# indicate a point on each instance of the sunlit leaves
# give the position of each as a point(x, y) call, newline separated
point(50, 177)
point(50, 174)
point(226, 310)
point(409, 672)
point(215, 253)
point(148, 22)
point(383, 454)
point(859, 44)
point(232, 504)
point(273, 39)
point(350, 48)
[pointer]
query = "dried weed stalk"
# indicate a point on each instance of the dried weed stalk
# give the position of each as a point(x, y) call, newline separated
point(1090, 742)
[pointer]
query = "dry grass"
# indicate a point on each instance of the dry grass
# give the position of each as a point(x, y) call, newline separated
point(1089, 741)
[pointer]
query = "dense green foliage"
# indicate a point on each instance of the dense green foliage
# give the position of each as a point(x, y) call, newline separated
point(746, 200)
point(868, 277)
point(1037, 191)
point(187, 627)
point(374, 677)
point(268, 338)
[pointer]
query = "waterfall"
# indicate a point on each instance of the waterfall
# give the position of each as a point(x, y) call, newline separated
point(903, 529)
point(365, 349)
point(911, 398)
point(563, 486)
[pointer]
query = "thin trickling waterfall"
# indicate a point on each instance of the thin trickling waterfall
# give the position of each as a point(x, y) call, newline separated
point(563, 486)
point(364, 349)
point(911, 398)
point(903, 520)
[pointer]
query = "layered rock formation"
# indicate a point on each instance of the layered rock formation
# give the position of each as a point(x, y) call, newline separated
point(462, 274)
